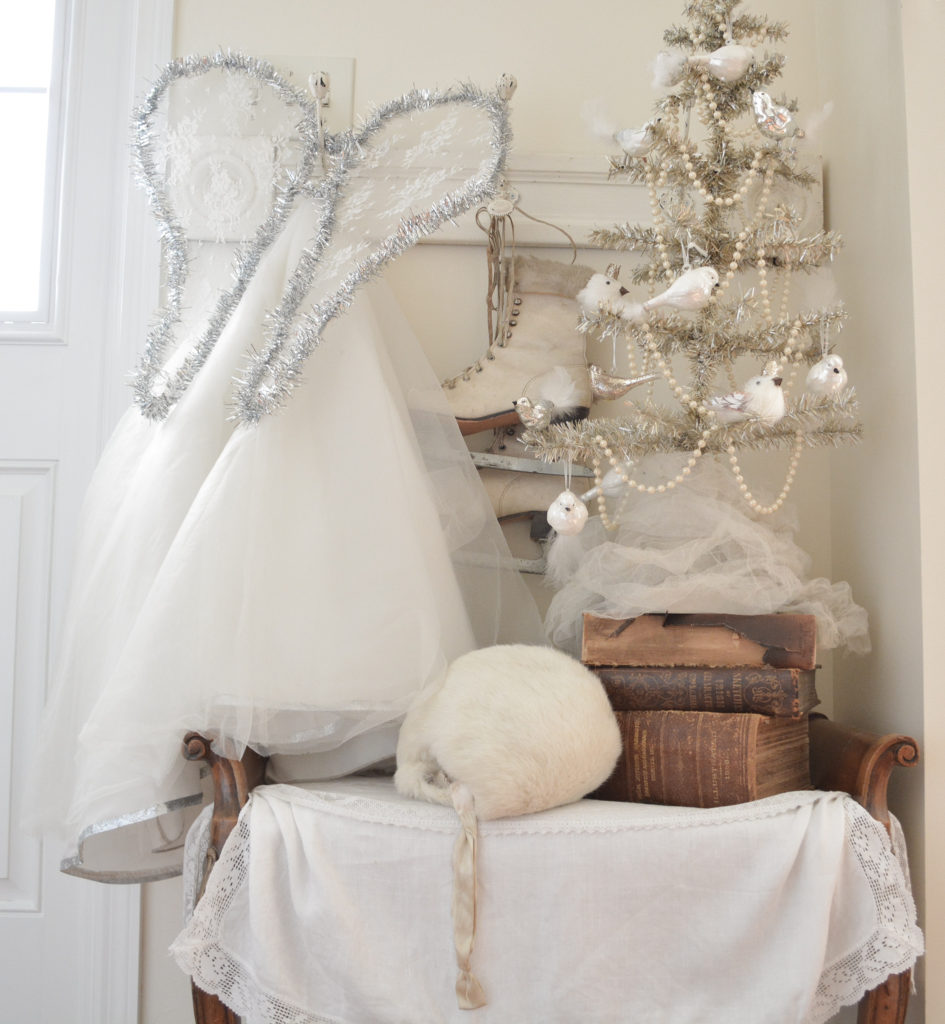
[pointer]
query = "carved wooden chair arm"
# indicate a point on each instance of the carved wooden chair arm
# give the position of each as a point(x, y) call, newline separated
point(857, 762)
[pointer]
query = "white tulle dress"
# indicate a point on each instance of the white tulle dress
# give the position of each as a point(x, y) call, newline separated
point(289, 584)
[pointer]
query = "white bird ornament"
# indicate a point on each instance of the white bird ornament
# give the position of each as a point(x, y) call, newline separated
point(690, 291)
point(761, 398)
point(567, 514)
point(637, 141)
point(603, 293)
point(826, 377)
point(728, 63)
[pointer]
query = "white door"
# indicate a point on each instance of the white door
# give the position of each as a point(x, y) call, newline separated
point(68, 947)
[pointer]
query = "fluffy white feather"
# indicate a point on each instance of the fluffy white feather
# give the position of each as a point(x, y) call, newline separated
point(598, 119)
point(558, 386)
point(668, 69)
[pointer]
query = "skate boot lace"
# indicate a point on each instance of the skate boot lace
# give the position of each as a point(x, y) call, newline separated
point(509, 306)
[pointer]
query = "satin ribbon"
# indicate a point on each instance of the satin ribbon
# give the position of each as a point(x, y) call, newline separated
point(469, 993)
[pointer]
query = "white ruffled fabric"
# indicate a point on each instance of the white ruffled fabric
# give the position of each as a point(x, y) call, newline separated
point(696, 549)
point(290, 585)
point(331, 903)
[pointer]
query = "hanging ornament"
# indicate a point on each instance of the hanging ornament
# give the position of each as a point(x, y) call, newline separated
point(637, 141)
point(535, 415)
point(603, 293)
point(608, 386)
point(761, 397)
point(773, 121)
point(567, 514)
point(690, 291)
point(728, 63)
point(612, 484)
point(827, 377)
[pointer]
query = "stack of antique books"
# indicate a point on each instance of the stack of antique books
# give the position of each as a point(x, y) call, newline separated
point(713, 708)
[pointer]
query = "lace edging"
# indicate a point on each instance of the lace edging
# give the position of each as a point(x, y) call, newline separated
point(897, 941)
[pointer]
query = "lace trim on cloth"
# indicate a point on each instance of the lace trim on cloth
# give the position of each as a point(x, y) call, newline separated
point(201, 950)
point(897, 941)
point(208, 961)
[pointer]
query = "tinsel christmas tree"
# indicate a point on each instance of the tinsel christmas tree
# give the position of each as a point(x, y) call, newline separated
point(711, 286)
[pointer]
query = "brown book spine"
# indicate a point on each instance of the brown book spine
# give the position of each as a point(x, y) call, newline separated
point(707, 759)
point(710, 641)
point(779, 692)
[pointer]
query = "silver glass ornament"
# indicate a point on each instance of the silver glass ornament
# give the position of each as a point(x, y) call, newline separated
point(773, 121)
point(608, 386)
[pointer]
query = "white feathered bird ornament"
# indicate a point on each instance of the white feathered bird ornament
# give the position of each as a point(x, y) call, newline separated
point(601, 124)
point(761, 398)
point(603, 293)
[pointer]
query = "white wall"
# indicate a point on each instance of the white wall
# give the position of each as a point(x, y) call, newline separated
point(843, 50)
point(923, 29)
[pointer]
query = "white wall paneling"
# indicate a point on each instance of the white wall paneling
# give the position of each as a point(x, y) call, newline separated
point(27, 492)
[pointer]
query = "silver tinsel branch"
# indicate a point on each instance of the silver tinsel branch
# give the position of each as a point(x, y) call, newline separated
point(653, 431)
point(719, 201)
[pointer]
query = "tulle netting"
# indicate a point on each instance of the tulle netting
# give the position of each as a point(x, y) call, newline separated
point(696, 549)
point(290, 585)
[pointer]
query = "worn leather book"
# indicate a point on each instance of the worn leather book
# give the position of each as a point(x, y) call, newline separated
point(702, 640)
point(707, 759)
point(781, 692)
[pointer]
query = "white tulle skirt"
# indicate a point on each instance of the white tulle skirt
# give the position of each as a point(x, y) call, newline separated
point(290, 585)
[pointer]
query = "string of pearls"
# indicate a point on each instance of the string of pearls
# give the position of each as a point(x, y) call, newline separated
point(621, 469)
point(687, 150)
point(662, 266)
point(767, 510)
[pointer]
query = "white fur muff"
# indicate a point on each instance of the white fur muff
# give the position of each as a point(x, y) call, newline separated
point(525, 728)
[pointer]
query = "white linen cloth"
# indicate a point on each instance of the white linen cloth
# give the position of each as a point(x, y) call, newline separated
point(331, 903)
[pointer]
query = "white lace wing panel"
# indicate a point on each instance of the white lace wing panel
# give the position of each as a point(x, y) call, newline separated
point(222, 146)
point(418, 162)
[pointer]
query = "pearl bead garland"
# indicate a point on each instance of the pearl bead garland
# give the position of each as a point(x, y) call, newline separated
point(662, 267)
point(767, 510)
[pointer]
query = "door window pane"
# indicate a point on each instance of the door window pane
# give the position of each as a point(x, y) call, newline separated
point(26, 178)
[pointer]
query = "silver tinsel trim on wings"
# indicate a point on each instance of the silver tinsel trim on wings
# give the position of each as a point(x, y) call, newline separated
point(277, 369)
point(156, 392)
point(290, 335)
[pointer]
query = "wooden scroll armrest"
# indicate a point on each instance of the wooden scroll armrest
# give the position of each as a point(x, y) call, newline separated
point(857, 762)
point(233, 781)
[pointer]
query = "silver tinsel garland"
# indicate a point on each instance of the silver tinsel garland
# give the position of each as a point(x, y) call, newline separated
point(290, 337)
point(277, 369)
